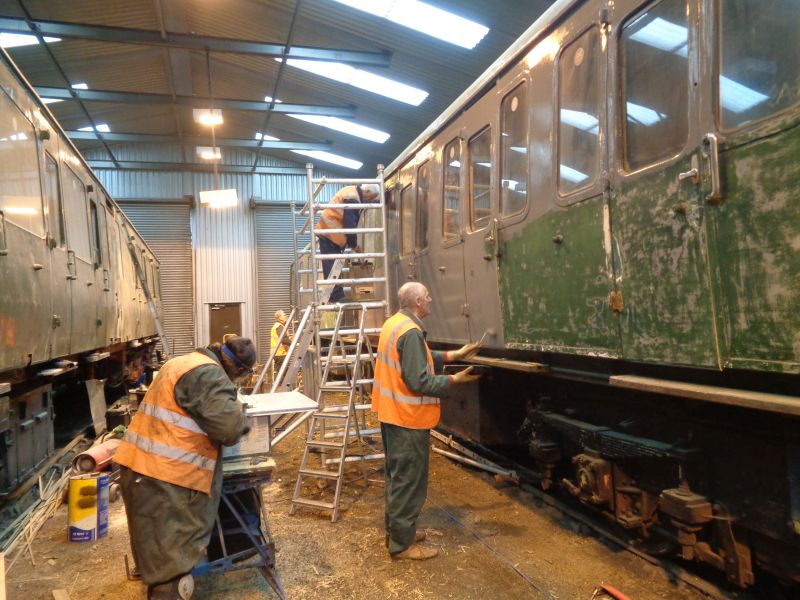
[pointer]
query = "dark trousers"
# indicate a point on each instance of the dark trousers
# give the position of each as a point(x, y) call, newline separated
point(406, 474)
point(328, 247)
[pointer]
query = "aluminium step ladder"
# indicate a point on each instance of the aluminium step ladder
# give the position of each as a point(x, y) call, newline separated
point(343, 349)
point(334, 426)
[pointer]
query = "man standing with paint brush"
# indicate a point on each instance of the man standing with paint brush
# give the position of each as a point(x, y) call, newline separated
point(405, 394)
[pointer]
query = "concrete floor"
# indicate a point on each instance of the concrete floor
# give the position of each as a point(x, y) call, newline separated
point(495, 541)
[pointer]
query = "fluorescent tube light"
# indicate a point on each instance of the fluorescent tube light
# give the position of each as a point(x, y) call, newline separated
point(15, 40)
point(363, 80)
point(580, 120)
point(571, 174)
point(51, 100)
point(80, 86)
point(664, 35)
point(20, 210)
point(101, 127)
point(426, 19)
point(219, 198)
point(269, 138)
point(269, 99)
point(642, 114)
point(345, 126)
point(737, 97)
point(331, 158)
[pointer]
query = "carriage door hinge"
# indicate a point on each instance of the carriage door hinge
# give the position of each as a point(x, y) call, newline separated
point(465, 310)
point(603, 18)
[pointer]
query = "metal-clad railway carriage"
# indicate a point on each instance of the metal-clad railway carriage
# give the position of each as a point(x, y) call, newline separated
point(72, 307)
point(613, 207)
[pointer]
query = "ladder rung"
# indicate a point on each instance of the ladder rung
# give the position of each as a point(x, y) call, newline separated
point(324, 415)
point(319, 444)
point(351, 280)
point(352, 433)
point(320, 473)
point(338, 386)
point(336, 461)
point(313, 503)
point(353, 305)
point(321, 256)
point(324, 205)
point(326, 332)
point(351, 230)
point(342, 407)
point(344, 360)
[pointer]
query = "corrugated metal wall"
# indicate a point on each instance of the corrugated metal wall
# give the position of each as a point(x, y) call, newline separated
point(273, 223)
point(166, 227)
point(240, 254)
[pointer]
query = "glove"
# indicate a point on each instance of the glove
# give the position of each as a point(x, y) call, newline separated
point(466, 351)
point(465, 376)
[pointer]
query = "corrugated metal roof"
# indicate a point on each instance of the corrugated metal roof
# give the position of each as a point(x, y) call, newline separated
point(442, 69)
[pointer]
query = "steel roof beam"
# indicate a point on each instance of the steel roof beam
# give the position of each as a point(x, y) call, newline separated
point(198, 141)
point(130, 165)
point(194, 42)
point(347, 112)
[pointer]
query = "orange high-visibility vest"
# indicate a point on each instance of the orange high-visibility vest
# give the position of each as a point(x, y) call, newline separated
point(163, 441)
point(391, 398)
point(273, 340)
point(333, 218)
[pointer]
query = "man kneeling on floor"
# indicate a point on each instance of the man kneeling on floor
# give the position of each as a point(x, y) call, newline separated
point(405, 396)
point(171, 469)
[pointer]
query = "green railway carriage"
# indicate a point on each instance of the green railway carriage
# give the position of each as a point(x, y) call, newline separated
point(71, 306)
point(615, 203)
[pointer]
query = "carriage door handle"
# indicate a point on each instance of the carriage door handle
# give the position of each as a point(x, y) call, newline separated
point(711, 151)
point(71, 268)
point(693, 173)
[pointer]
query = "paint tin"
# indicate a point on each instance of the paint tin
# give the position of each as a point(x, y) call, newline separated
point(88, 507)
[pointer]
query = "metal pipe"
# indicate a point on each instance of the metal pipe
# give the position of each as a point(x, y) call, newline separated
point(511, 475)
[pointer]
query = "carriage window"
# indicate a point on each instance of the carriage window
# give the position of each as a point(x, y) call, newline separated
point(423, 182)
point(77, 216)
point(98, 255)
point(20, 190)
point(55, 203)
point(655, 50)
point(760, 73)
point(451, 206)
point(514, 152)
point(579, 86)
point(480, 174)
point(407, 220)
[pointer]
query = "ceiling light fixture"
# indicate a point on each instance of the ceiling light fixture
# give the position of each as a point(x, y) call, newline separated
point(426, 19)
point(16, 40)
point(267, 138)
point(345, 126)
point(101, 127)
point(362, 80)
point(331, 158)
point(208, 116)
point(208, 152)
point(219, 198)
point(80, 86)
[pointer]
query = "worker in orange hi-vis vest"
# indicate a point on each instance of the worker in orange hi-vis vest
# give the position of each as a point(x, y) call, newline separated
point(170, 463)
point(405, 394)
point(342, 218)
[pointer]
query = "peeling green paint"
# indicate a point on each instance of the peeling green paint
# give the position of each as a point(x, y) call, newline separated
point(554, 284)
point(757, 251)
point(659, 228)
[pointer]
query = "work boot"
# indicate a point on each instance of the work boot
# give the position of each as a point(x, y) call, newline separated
point(416, 552)
point(180, 588)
